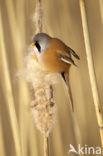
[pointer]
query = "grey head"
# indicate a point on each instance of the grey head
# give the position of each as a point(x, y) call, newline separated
point(41, 41)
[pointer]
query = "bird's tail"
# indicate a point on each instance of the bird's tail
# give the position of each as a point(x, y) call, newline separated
point(69, 89)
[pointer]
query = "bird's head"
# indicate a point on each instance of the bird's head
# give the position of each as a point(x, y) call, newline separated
point(40, 43)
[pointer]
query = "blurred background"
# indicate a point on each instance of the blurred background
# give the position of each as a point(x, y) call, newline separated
point(18, 133)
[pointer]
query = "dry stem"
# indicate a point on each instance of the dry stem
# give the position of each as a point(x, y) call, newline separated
point(46, 121)
point(91, 69)
point(39, 29)
point(46, 146)
point(101, 9)
point(38, 16)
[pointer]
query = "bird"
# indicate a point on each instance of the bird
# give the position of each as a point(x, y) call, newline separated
point(55, 56)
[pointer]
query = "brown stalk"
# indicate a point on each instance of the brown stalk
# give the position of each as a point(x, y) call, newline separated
point(91, 69)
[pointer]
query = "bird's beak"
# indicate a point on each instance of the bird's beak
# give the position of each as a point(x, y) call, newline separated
point(32, 44)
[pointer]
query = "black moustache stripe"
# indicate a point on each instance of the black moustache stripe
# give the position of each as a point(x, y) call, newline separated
point(38, 46)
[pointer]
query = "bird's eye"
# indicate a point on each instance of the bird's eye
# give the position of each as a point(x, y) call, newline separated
point(38, 46)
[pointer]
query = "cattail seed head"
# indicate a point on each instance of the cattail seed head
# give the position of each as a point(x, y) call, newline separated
point(43, 105)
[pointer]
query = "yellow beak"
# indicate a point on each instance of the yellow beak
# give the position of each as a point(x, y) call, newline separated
point(32, 44)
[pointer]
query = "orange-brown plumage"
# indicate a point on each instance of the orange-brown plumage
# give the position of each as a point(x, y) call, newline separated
point(51, 57)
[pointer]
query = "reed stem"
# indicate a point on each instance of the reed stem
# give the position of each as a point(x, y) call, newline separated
point(38, 16)
point(91, 69)
point(46, 146)
point(39, 27)
point(101, 9)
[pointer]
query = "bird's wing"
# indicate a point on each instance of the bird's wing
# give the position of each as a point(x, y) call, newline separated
point(65, 57)
point(73, 53)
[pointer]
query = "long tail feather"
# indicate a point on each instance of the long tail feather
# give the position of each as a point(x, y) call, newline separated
point(69, 90)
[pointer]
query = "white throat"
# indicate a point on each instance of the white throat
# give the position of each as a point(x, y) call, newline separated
point(37, 52)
